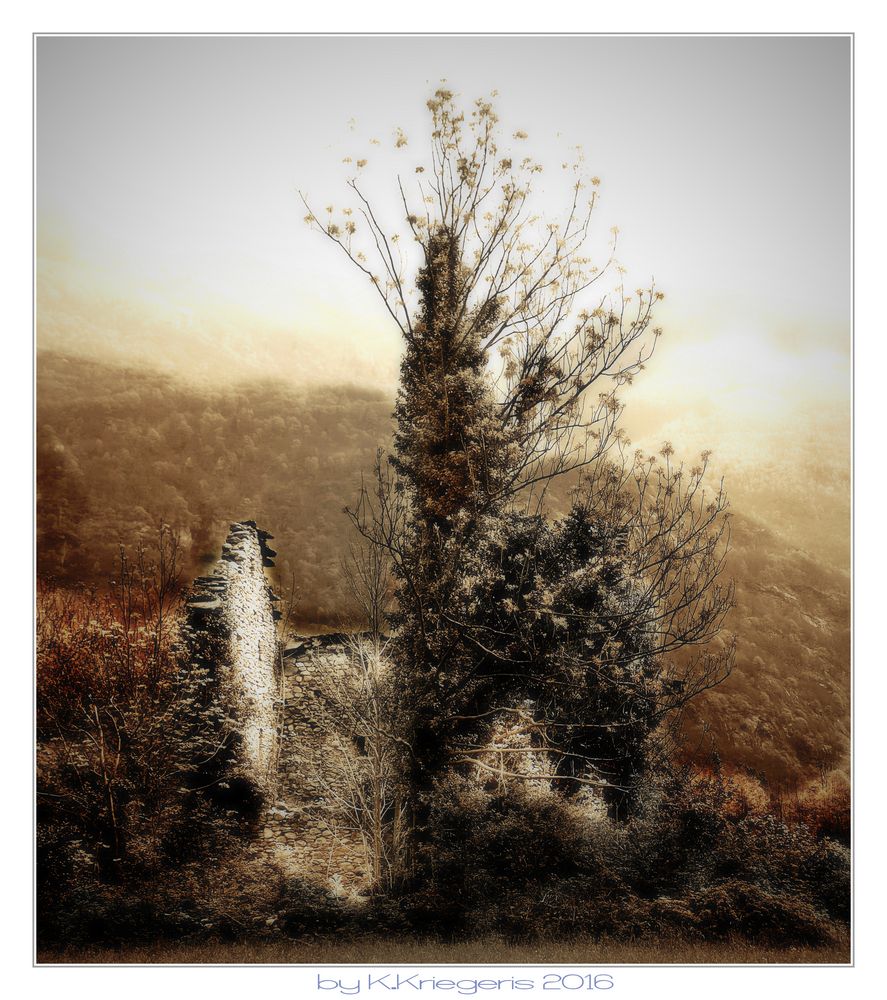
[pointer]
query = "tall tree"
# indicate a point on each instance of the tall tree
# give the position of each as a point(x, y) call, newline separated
point(508, 385)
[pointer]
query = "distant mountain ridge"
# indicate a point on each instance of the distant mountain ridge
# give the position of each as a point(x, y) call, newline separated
point(786, 707)
point(119, 448)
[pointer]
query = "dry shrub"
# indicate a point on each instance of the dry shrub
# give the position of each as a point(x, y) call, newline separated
point(224, 895)
point(743, 908)
point(123, 721)
point(824, 806)
point(746, 796)
point(702, 860)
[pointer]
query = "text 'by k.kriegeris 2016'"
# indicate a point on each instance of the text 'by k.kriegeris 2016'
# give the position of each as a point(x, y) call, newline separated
point(382, 982)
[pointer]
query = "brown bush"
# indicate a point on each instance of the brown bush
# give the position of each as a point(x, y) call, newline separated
point(824, 806)
point(121, 720)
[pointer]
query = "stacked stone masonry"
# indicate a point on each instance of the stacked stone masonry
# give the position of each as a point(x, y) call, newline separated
point(306, 830)
point(274, 701)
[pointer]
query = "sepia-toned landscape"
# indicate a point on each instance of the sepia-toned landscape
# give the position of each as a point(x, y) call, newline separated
point(418, 579)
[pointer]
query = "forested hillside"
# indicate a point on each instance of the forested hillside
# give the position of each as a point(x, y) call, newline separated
point(119, 449)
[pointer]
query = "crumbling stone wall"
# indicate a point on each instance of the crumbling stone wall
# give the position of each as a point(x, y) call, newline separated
point(306, 830)
point(274, 706)
point(231, 625)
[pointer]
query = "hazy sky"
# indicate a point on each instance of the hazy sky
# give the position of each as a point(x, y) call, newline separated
point(170, 230)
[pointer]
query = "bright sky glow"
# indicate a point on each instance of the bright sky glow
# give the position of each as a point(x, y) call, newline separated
point(170, 230)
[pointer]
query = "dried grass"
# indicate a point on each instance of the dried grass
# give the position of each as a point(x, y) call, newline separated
point(486, 951)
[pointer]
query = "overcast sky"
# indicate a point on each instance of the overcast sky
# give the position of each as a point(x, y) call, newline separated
point(170, 230)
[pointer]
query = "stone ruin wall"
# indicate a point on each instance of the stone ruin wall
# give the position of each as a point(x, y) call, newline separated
point(288, 732)
point(276, 706)
point(232, 622)
point(305, 831)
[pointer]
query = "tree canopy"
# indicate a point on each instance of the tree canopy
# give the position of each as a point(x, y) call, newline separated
point(515, 346)
point(509, 379)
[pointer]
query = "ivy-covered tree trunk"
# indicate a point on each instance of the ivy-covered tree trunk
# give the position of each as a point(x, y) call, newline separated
point(450, 454)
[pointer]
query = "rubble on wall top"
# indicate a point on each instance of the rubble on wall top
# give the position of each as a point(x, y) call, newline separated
point(241, 531)
point(301, 645)
point(208, 591)
point(204, 604)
